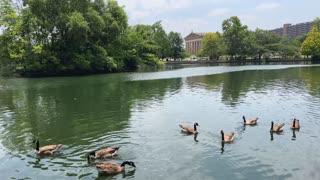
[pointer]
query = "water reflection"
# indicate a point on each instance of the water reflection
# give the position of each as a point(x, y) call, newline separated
point(87, 113)
point(222, 147)
point(195, 136)
point(294, 135)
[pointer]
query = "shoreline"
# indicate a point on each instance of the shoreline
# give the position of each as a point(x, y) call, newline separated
point(243, 61)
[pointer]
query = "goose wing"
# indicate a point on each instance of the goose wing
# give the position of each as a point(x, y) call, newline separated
point(108, 168)
point(49, 148)
point(187, 129)
point(107, 151)
point(229, 136)
point(278, 127)
point(253, 120)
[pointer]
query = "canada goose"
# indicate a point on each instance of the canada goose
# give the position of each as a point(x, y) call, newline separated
point(188, 129)
point(277, 127)
point(227, 138)
point(295, 124)
point(112, 168)
point(46, 150)
point(103, 153)
point(252, 121)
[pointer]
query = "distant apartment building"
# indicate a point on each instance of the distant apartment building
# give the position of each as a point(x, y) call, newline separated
point(294, 30)
point(193, 42)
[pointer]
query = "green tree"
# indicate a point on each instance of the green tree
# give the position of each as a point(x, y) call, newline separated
point(212, 45)
point(234, 34)
point(75, 37)
point(176, 45)
point(161, 39)
point(316, 23)
point(311, 46)
point(264, 39)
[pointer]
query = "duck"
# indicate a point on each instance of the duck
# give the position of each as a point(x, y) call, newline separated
point(103, 153)
point(112, 168)
point(277, 127)
point(295, 124)
point(227, 138)
point(189, 130)
point(46, 150)
point(252, 121)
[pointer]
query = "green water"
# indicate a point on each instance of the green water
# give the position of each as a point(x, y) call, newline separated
point(141, 112)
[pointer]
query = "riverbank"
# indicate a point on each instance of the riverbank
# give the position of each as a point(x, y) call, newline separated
point(250, 61)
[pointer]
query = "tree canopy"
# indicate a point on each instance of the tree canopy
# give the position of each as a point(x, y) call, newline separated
point(212, 45)
point(67, 37)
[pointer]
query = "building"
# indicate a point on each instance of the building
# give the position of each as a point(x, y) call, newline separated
point(294, 30)
point(193, 42)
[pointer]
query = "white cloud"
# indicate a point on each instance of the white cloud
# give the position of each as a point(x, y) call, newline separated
point(218, 12)
point(267, 6)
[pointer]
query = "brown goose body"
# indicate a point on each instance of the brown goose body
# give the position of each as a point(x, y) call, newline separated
point(48, 149)
point(104, 153)
point(188, 129)
point(276, 127)
point(295, 124)
point(112, 168)
point(226, 138)
point(252, 121)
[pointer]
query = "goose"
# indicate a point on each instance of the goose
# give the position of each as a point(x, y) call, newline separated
point(252, 121)
point(188, 129)
point(277, 127)
point(46, 150)
point(112, 168)
point(103, 153)
point(227, 138)
point(295, 124)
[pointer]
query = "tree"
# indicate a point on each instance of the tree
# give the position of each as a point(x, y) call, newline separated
point(234, 34)
point(212, 45)
point(316, 23)
point(68, 37)
point(176, 45)
point(161, 39)
point(263, 41)
point(311, 46)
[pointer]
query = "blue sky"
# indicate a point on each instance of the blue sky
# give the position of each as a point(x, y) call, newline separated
point(183, 16)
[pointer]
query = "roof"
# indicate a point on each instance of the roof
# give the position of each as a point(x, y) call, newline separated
point(195, 35)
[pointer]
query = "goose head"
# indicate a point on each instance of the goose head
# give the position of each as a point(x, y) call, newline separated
point(195, 126)
point(271, 126)
point(37, 144)
point(129, 163)
point(222, 135)
point(244, 119)
point(91, 156)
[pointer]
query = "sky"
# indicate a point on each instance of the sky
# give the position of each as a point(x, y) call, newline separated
point(185, 16)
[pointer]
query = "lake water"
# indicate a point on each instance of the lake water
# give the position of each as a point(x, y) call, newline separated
point(141, 112)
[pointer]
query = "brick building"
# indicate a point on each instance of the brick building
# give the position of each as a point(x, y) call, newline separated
point(294, 30)
point(193, 42)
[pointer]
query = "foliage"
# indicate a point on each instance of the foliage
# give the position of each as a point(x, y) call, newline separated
point(234, 35)
point(311, 46)
point(212, 45)
point(316, 23)
point(264, 39)
point(175, 45)
point(70, 37)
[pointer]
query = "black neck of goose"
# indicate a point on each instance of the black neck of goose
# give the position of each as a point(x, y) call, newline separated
point(271, 126)
point(294, 123)
point(37, 145)
point(124, 163)
point(195, 127)
point(222, 135)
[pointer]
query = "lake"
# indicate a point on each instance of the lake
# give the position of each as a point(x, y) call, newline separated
point(141, 112)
